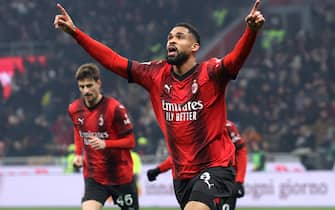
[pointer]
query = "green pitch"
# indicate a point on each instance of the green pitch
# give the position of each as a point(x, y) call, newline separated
point(171, 208)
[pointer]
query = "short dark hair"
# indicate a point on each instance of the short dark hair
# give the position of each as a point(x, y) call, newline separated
point(191, 29)
point(88, 71)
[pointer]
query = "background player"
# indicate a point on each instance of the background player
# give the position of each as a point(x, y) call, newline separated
point(102, 130)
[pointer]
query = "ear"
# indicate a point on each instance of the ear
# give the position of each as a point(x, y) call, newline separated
point(195, 47)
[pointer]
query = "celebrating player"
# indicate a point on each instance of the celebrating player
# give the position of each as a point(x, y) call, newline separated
point(188, 99)
point(103, 130)
point(240, 167)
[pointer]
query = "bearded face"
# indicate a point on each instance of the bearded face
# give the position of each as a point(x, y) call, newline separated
point(178, 59)
point(180, 46)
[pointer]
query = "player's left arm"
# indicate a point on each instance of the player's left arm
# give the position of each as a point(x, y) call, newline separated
point(124, 130)
point(234, 60)
point(127, 142)
point(122, 125)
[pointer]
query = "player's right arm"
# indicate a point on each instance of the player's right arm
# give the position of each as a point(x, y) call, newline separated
point(103, 54)
point(78, 159)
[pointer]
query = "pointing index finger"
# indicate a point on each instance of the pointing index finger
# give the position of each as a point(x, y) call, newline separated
point(62, 10)
point(255, 7)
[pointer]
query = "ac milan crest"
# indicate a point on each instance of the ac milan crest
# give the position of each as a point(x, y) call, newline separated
point(101, 120)
point(195, 86)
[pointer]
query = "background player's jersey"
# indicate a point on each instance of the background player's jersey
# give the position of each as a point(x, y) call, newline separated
point(240, 153)
point(107, 120)
point(189, 111)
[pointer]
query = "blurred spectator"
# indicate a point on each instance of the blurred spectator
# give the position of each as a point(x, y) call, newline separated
point(2, 148)
point(258, 157)
point(68, 159)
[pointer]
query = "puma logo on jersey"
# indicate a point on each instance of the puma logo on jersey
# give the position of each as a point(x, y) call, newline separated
point(167, 88)
point(206, 177)
point(81, 120)
point(126, 121)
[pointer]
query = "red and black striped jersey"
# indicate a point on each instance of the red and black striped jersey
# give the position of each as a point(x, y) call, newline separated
point(240, 154)
point(108, 120)
point(240, 151)
point(191, 110)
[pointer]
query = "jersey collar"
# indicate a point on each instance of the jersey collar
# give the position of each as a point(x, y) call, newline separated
point(97, 104)
point(182, 77)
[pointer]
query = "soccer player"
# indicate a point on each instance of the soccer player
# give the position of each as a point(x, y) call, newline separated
point(240, 167)
point(102, 130)
point(188, 99)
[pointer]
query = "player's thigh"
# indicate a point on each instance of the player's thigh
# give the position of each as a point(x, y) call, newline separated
point(91, 205)
point(95, 191)
point(213, 183)
point(196, 205)
point(125, 196)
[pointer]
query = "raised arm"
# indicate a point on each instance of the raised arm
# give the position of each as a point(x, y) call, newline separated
point(235, 59)
point(103, 54)
point(64, 21)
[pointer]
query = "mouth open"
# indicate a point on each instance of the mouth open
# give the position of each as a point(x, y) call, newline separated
point(172, 51)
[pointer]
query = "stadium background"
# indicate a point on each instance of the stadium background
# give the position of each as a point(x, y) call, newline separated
point(283, 100)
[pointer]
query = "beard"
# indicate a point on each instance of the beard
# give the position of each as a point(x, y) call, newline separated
point(178, 60)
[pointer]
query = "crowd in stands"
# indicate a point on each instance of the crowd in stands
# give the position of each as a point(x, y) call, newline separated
point(284, 97)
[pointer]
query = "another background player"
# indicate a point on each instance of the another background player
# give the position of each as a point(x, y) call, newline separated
point(103, 130)
point(241, 164)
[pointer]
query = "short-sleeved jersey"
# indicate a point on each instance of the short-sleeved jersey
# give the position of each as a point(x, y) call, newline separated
point(190, 111)
point(108, 120)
